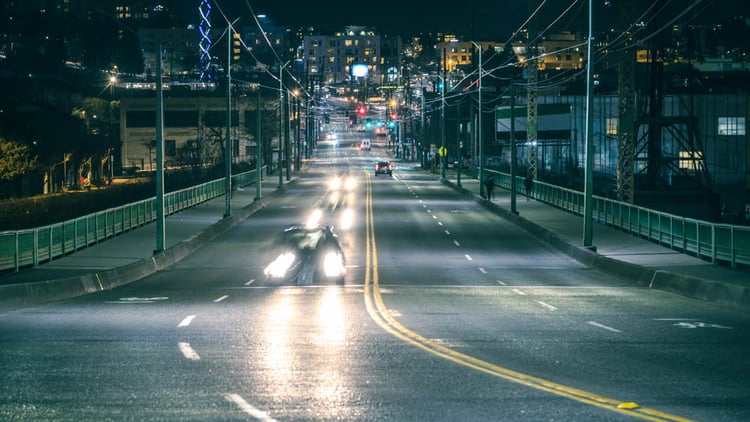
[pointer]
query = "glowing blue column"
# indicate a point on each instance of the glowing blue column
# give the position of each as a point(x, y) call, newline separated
point(205, 42)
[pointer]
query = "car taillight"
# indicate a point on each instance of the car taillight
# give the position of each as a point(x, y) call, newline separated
point(377, 166)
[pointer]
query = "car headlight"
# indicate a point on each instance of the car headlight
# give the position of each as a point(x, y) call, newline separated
point(280, 265)
point(333, 265)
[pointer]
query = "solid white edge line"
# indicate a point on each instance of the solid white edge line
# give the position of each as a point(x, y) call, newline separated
point(185, 322)
point(596, 324)
point(248, 408)
point(221, 298)
point(188, 351)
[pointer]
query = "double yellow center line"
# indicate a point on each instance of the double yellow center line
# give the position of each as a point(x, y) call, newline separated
point(380, 314)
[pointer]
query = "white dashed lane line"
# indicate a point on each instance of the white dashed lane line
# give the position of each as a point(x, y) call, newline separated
point(186, 322)
point(249, 409)
point(547, 305)
point(596, 324)
point(188, 351)
point(221, 298)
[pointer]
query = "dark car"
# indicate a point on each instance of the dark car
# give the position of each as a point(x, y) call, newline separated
point(384, 167)
point(307, 255)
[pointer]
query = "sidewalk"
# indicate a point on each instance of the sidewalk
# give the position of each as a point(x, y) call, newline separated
point(616, 252)
point(130, 256)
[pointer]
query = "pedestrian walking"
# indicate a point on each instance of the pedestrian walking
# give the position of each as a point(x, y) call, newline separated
point(528, 184)
point(489, 184)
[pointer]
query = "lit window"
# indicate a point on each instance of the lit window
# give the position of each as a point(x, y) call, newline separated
point(731, 126)
point(690, 160)
point(612, 123)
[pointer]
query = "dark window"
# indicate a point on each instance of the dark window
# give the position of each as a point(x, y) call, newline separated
point(219, 118)
point(170, 149)
point(181, 119)
point(141, 118)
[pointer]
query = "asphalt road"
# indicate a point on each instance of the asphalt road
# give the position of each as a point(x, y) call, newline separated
point(448, 313)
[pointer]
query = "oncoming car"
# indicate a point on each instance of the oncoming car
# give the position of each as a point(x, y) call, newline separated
point(307, 255)
point(384, 167)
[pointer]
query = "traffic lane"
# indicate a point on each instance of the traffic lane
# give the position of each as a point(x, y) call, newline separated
point(453, 240)
point(101, 357)
point(529, 266)
point(629, 344)
point(313, 353)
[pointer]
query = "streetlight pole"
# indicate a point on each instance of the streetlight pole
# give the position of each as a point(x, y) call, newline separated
point(479, 124)
point(443, 155)
point(588, 185)
point(160, 214)
point(258, 152)
point(228, 142)
point(281, 122)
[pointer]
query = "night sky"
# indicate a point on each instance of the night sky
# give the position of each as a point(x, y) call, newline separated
point(404, 17)
point(473, 19)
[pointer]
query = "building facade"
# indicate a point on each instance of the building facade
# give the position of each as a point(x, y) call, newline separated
point(331, 59)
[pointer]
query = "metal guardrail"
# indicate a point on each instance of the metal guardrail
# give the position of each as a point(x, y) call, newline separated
point(717, 243)
point(31, 247)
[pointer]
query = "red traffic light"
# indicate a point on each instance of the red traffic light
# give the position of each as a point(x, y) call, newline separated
point(361, 110)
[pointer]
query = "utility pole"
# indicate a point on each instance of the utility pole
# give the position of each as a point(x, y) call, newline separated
point(160, 223)
point(281, 123)
point(258, 151)
point(480, 140)
point(513, 151)
point(443, 156)
point(228, 142)
point(588, 186)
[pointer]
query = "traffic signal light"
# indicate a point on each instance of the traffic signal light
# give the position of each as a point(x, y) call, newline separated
point(361, 110)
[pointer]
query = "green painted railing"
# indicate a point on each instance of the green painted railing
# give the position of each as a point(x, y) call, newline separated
point(28, 248)
point(718, 243)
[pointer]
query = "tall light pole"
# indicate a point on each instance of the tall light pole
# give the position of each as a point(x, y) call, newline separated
point(228, 142)
point(160, 215)
point(281, 121)
point(479, 124)
point(588, 185)
point(443, 155)
point(258, 152)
